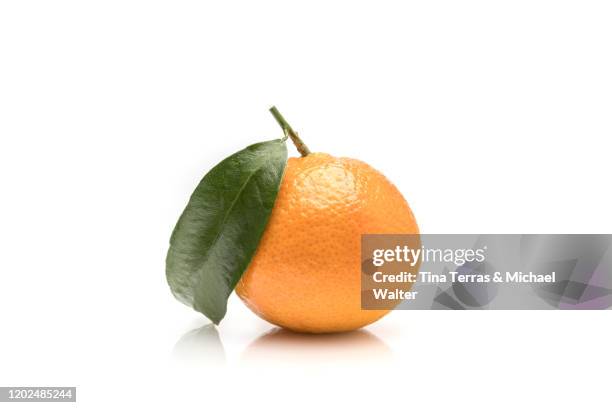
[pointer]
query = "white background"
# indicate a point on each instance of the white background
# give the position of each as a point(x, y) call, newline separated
point(488, 116)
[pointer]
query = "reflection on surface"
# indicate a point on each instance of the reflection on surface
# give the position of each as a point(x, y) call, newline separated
point(200, 347)
point(280, 346)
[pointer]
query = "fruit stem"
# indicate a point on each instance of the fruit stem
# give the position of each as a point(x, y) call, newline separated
point(299, 144)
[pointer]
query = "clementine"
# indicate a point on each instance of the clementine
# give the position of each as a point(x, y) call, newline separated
point(306, 273)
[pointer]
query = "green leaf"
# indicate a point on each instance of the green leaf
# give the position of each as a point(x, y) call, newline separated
point(219, 231)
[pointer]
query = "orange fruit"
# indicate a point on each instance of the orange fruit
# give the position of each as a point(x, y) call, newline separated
point(306, 273)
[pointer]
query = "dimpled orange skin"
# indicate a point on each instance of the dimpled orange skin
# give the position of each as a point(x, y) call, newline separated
point(306, 273)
